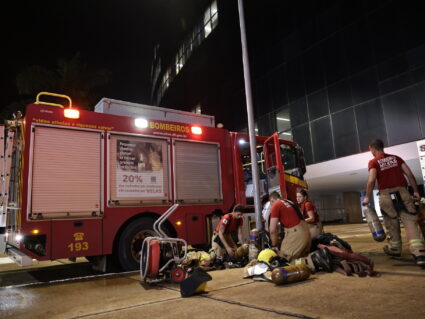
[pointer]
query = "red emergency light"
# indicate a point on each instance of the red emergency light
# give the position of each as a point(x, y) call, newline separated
point(71, 113)
point(196, 130)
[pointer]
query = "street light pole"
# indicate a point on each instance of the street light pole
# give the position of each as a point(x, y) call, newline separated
point(251, 124)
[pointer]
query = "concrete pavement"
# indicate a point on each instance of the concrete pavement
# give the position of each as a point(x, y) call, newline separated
point(397, 293)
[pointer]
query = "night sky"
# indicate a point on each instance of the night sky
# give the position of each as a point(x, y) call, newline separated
point(115, 35)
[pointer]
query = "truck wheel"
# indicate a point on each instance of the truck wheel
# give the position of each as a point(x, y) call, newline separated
point(131, 240)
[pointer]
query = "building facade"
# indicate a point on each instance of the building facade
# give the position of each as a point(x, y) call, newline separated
point(331, 75)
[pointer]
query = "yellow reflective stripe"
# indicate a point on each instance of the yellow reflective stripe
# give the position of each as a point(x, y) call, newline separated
point(295, 180)
point(298, 261)
point(416, 243)
point(395, 243)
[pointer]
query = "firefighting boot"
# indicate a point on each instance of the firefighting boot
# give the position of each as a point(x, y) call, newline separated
point(420, 259)
point(392, 251)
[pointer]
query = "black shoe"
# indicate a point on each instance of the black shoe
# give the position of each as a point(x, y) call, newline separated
point(420, 260)
point(393, 252)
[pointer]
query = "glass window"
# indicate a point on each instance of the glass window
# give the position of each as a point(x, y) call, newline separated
point(345, 133)
point(283, 124)
point(318, 104)
point(302, 137)
point(322, 140)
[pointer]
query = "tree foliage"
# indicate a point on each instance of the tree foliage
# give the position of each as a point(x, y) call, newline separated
point(71, 77)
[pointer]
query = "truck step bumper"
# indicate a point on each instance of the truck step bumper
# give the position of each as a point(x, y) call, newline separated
point(19, 257)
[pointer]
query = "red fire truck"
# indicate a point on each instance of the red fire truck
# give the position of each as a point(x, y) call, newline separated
point(78, 183)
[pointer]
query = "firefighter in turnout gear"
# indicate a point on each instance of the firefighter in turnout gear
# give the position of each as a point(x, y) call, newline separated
point(395, 201)
point(222, 241)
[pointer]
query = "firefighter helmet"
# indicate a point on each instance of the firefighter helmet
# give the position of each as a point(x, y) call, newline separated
point(267, 256)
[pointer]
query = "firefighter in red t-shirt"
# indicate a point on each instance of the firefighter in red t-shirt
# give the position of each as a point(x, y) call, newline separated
point(222, 241)
point(309, 213)
point(395, 201)
point(295, 246)
point(297, 240)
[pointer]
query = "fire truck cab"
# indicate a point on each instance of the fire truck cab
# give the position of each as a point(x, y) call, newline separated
point(78, 183)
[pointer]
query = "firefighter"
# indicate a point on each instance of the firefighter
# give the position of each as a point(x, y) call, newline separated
point(222, 242)
point(395, 201)
point(309, 213)
point(297, 240)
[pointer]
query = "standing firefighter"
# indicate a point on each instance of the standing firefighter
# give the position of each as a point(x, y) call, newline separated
point(395, 201)
point(222, 241)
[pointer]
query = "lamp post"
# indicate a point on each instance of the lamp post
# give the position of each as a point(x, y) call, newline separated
point(250, 112)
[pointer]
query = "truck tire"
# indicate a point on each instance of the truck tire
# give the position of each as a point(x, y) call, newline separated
point(131, 240)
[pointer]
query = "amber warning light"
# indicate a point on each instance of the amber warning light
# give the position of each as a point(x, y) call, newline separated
point(71, 113)
point(196, 130)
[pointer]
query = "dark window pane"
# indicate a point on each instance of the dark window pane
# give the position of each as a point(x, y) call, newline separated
point(357, 47)
point(278, 88)
point(322, 140)
point(340, 96)
point(318, 105)
point(302, 137)
point(395, 83)
point(345, 133)
point(416, 57)
point(370, 123)
point(264, 103)
point(364, 86)
point(401, 117)
point(313, 70)
point(266, 125)
point(420, 104)
point(392, 67)
point(295, 80)
point(334, 59)
point(385, 32)
point(298, 112)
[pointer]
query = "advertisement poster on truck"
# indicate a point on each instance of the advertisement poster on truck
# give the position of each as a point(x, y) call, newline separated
point(139, 170)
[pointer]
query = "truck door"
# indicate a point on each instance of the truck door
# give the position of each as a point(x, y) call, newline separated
point(274, 167)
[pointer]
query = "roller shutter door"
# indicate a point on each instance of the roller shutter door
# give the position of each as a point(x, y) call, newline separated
point(197, 172)
point(66, 172)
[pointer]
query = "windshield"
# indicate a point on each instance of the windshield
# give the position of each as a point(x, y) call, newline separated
point(289, 160)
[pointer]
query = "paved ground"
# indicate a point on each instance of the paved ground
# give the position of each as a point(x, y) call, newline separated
point(397, 293)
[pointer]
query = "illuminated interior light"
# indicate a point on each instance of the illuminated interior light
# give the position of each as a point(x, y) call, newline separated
point(71, 113)
point(19, 237)
point(141, 123)
point(242, 141)
point(179, 223)
point(282, 119)
point(35, 231)
point(286, 133)
point(256, 129)
point(196, 130)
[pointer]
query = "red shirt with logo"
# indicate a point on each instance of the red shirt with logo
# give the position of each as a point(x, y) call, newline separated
point(307, 207)
point(229, 223)
point(388, 169)
point(287, 215)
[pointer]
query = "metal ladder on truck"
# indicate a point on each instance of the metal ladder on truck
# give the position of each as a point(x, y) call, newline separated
point(6, 148)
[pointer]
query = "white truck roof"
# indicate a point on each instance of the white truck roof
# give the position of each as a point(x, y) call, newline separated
point(117, 107)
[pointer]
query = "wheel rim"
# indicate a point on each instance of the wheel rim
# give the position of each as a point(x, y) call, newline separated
point(137, 241)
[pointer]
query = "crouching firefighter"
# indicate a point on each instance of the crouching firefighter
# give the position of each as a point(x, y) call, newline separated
point(223, 245)
point(395, 201)
point(295, 246)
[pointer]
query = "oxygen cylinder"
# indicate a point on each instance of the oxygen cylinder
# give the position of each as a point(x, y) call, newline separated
point(253, 241)
point(289, 274)
point(375, 226)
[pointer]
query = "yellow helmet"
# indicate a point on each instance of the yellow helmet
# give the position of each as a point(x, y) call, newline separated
point(266, 255)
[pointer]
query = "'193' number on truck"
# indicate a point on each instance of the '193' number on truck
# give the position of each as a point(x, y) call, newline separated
point(78, 246)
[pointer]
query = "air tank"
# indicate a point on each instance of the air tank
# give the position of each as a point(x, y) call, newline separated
point(375, 226)
point(289, 274)
point(253, 242)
